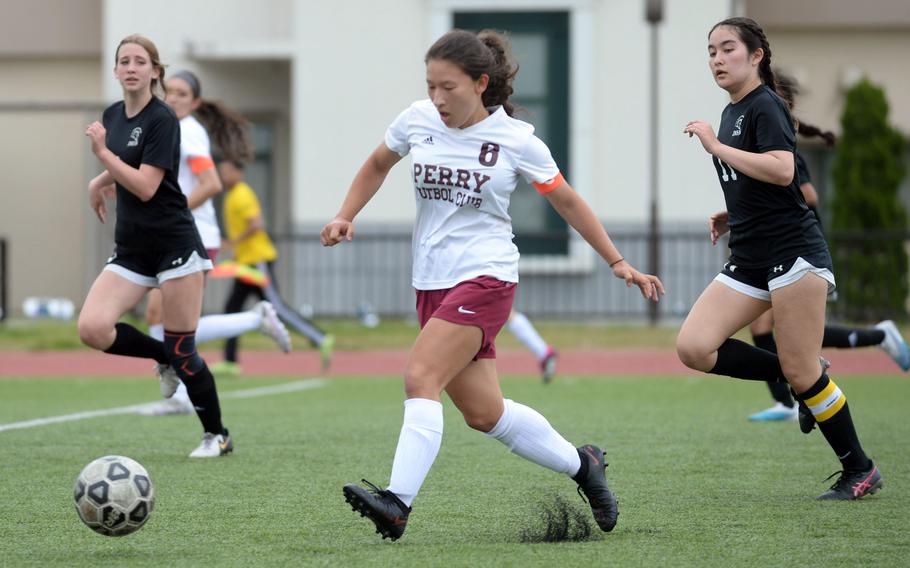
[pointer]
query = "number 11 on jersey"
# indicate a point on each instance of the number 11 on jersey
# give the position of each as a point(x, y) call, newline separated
point(723, 170)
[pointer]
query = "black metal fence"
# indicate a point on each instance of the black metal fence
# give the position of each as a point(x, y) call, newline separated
point(375, 269)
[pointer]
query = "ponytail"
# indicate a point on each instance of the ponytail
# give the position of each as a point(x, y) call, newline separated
point(810, 131)
point(228, 129)
point(484, 53)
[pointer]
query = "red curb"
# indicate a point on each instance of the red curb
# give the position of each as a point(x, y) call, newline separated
point(631, 362)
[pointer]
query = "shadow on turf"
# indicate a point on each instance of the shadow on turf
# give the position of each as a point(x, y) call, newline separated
point(558, 520)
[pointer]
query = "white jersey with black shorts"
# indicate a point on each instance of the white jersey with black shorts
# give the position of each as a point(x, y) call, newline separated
point(156, 240)
point(463, 180)
point(774, 237)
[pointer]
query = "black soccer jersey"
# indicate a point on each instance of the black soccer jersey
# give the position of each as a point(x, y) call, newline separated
point(768, 223)
point(152, 137)
point(802, 170)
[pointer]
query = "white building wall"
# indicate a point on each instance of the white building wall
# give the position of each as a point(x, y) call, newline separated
point(356, 64)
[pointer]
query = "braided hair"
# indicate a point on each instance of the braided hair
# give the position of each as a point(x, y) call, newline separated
point(483, 53)
point(753, 36)
point(788, 89)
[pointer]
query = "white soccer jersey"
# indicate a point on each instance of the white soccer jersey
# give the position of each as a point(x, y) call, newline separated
point(463, 180)
point(196, 157)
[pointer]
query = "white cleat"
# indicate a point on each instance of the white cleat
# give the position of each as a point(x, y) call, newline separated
point(168, 379)
point(170, 407)
point(894, 345)
point(272, 326)
point(213, 446)
point(777, 413)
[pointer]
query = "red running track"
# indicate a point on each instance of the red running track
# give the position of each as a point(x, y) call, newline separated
point(391, 363)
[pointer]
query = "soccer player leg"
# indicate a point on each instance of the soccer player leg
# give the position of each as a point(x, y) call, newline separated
point(799, 314)
point(426, 375)
point(182, 302)
point(112, 295)
point(704, 342)
point(762, 330)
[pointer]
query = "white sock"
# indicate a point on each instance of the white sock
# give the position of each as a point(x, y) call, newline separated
point(218, 326)
point(524, 330)
point(528, 434)
point(418, 444)
point(156, 331)
point(180, 395)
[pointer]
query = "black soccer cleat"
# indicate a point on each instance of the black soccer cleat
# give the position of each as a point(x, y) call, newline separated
point(594, 487)
point(853, 485)
point(805, 416)
point(381, 506)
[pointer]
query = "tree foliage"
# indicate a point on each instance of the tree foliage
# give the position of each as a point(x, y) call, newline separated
point(869, 222)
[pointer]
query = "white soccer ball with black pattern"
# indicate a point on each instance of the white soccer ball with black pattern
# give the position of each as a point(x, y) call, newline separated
point(114, 495)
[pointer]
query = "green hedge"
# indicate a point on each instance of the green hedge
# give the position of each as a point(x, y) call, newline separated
point(868, 221)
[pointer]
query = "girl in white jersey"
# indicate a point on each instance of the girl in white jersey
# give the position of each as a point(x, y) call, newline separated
point(199, 181)
point(467, 155)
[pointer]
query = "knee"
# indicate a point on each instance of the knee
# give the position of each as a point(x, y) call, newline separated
point(418, 381)
point(153, 314)
point(482, 422)
point(94, 333)
point(802, 374)
point(690, 353)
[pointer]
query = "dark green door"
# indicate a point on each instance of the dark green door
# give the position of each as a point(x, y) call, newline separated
point(540, 44)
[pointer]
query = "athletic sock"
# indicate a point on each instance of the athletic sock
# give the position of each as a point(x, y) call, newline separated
point(524, 330)
point(829, 406)
point(740, 360)
point(195, 374)
point(848, 337)
point(418, 445)
point(131, 342)
point(219, 326)
point(528, 434)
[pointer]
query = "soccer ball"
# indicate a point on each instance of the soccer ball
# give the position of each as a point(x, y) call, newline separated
point(114, 495)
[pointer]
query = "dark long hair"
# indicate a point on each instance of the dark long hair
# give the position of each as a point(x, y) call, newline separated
point(754, 38)
point(228, 129)
point(788, 89)
point(486, 52)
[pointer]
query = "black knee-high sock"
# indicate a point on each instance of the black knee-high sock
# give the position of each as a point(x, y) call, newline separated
point(133, 343)
point(848, 337)
point(195, 374)
point(780, 391)
point(829, 406)
point(740, 360)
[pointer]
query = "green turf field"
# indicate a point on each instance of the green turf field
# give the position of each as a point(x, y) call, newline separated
point(697, 484)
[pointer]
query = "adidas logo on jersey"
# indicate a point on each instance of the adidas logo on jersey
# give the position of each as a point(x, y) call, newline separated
point(428, 140)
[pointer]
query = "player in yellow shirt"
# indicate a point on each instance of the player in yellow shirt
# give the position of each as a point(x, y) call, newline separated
point(252, 246)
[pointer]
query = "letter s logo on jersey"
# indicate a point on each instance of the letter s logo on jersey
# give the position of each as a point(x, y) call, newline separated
point(134, 137)
point(738, 127)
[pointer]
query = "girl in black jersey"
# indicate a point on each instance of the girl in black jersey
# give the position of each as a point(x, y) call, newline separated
point(778, 256)
point(157, 244)
point(884, 335)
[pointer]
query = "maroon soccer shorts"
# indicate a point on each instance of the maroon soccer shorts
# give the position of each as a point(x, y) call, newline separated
point(483, 302)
